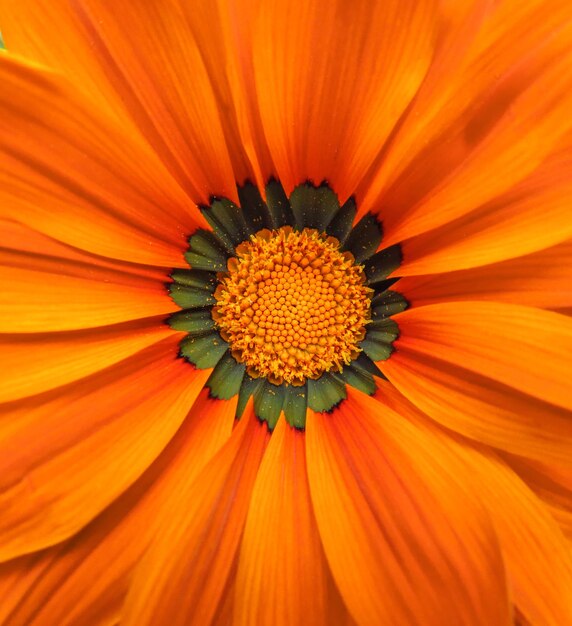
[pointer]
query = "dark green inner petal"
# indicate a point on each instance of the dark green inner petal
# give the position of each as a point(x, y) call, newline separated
point(365, 238)
point(255, 209)
point(278, 205)
point(204, 351)
point(194, 322)
point(248, 388)
point(295, 404)
point(226, 378)
point(268, 402)
point(206, 252)
point(313, 207)
point(326, 392)
point(341, 225)
point(380, 265)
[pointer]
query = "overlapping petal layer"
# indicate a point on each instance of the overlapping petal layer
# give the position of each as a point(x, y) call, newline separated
point(403, 519)
point(104, 429)
point(85, 579)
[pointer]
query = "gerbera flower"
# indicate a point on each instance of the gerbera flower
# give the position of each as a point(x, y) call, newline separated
point(284, 309)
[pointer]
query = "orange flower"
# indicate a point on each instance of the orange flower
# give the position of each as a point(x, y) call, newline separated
point(352, 221)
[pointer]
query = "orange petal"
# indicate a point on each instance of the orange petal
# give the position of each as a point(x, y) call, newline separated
point(537, 557)
point(283, 576)
point(522, 347)
point(542, 279)
point(70, 453)
point(74, 173)
point(517, 125)
point(181, 579)
point(143, 61)
point(331, 84)
point(480, 408)
point(482, 41)
point(531, 217)
point(407, 540)
point(86, 578)
point(552, 483)
point(35, 363)
point(41, 292)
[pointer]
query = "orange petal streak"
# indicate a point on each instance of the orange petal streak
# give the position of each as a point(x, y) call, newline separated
point(72, 172)
point(332, 83)
point(406, 540)
point(151, 75)
point(517, 125)
point(533, 216)
point(537, 557)
point(522, 347)
point(480, 408)
point(87, 577)
point(68, 454)
point(183, 576)
point(46, 286)
point(283, 577)
point(35, 363)
point(542, 279)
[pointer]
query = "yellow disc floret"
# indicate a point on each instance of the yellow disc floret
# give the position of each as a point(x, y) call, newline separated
point(292, 305)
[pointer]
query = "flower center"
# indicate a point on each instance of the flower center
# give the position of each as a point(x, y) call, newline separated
point(292, 305)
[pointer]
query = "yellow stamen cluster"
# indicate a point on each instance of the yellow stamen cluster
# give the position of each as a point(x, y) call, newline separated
point(292, 306)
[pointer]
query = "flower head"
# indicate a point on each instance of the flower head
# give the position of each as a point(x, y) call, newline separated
point(285, 312)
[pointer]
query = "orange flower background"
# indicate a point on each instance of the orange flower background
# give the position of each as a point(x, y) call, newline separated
point(129, 494)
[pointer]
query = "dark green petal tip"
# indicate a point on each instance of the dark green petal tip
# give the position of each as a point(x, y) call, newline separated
point(325, 392)
point(190, 297)
point(268, 402)
point(226, 378)
point(387, 303)
point(203, 351)
point(382, 263)
point(206, 252)
point(295, 405)
point(228, 223)
point(341, 225)
point(358, 378)
point(255, 210)
point(364, 238)
point(248, 387)
point(313, 207)
point(194, 322)
point(379, 338)
point(278, 205)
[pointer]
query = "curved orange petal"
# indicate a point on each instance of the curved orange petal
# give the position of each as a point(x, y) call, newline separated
point(551, 482)
point(480, 408)
point(331, 85)
point(407, 541)
point(469, 117)
point(68, 454)
point(77, 583)
point(283, 577)
point(181, 579)
point(152, 74)
point(35, 363)
point(532, 216)
point(542, 279)
point(537, 557)
point(68, 290)
point(75, 174)
point(522, 347)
